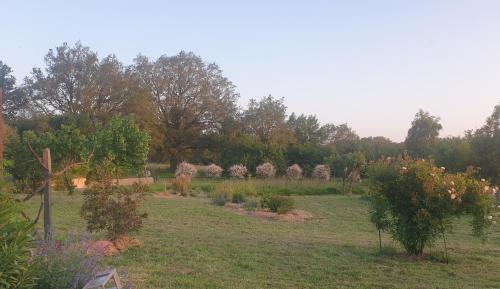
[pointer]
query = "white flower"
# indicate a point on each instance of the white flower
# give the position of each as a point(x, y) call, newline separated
point(490, 217)
point(449, 191)
point(404, 168)
point(498, 206)
point(453, 196)
point(483, 180)
point(452, 183)
point(443, 168)
point(494, 222)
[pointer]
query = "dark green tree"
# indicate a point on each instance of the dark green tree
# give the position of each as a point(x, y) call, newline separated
point(422, 135)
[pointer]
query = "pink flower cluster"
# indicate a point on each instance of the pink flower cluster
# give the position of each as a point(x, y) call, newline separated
point(213, 171)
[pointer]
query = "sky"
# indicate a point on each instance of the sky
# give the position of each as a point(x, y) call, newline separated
point(372, 64)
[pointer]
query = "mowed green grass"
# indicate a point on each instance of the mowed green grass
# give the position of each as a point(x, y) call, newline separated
point(189, 243)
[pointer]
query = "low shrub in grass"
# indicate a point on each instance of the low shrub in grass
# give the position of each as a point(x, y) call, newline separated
point(111, 208)
point(186, 169)
point(222, 194)
point(278, 204)
point(66, 265)
point(251, 204)
point(181, 184)
point(219, 199)
point(294, 172)
point(238, 171)
point(238, 197)
point(321, 172)
point(416, 201)
point(265, 171)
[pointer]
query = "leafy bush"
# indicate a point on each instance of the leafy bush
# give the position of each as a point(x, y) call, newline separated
point(112, 208)
point(238, 171)
point(213, 171)
point(186, 169)
point(238, 197)
point(181, 184)
point(415, 201)
point(65, 265)
point(16, 270)
point(278, 204)
point(250, 204)
point(219, 199)
point(294, 172)
point(321, 172)
point(266, 171)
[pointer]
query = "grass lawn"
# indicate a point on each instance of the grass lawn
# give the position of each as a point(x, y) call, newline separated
point(189, 243)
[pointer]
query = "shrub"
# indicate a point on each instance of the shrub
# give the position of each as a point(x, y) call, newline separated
point(213, 171)
point(250, 204)
point(265, 171)
point(186, 169)
point(294, 172)
point(238, 171)
point(112, 208)
point(65, 265)
point(278, 204)
point(219, 199)
point(238, 197)
point(181, 184)
point(321, 172)
point(16, 270)
point(415, 201)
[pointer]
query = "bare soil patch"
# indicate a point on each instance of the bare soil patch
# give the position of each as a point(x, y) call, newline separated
point(293, 216)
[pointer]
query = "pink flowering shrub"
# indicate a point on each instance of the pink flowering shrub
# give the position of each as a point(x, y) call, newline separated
point(321, 172)
point(294, 172)
point(186, 169)
point(238, 171)
point(265, 171)
point(213, 171)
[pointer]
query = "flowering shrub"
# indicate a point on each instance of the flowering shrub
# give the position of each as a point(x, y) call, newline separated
point(213, 171)
point(238, 171)
point(186, 169)
point(181, 184)
point(415, 201)
point(266, 171)
point(321, 172)
point(294, 172)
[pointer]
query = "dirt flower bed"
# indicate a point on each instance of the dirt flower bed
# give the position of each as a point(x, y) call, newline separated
point(111, 248)
point(293, 216)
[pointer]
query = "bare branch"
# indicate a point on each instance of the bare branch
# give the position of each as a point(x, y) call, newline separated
point(36, 155)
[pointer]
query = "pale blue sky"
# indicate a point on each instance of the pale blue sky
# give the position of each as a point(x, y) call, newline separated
point(371, 64)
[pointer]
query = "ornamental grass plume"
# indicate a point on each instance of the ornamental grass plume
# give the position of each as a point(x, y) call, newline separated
point(213, 171)
point(294, 172)
point(321, 172)
point(238, 171)
point(186, 169)
point(265, 171)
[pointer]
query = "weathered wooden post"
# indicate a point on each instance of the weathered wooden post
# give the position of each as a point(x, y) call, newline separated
point(47, 213)
point(2, 134)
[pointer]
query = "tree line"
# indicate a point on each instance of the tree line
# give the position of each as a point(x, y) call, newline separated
point(189, 109)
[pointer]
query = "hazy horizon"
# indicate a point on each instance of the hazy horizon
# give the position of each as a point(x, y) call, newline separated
point(371, 64)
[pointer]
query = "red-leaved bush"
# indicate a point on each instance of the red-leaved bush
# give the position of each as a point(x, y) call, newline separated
point(294, 172)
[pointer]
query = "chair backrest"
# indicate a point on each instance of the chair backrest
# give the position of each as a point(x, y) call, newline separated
point(101, 279)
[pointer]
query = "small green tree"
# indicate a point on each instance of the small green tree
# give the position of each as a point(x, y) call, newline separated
point(416, 202)
point(123, 143)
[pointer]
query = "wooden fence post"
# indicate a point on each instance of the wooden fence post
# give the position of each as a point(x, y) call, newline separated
point(47, 213)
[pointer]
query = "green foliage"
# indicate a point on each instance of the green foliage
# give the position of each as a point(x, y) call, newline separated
point(16, 270)
point(112, 208)
point(415, 201)
point(422, 134)
point(238, 197)
point(123, 143)
point(277, 204)
point(67, 145)
point(251, 204)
